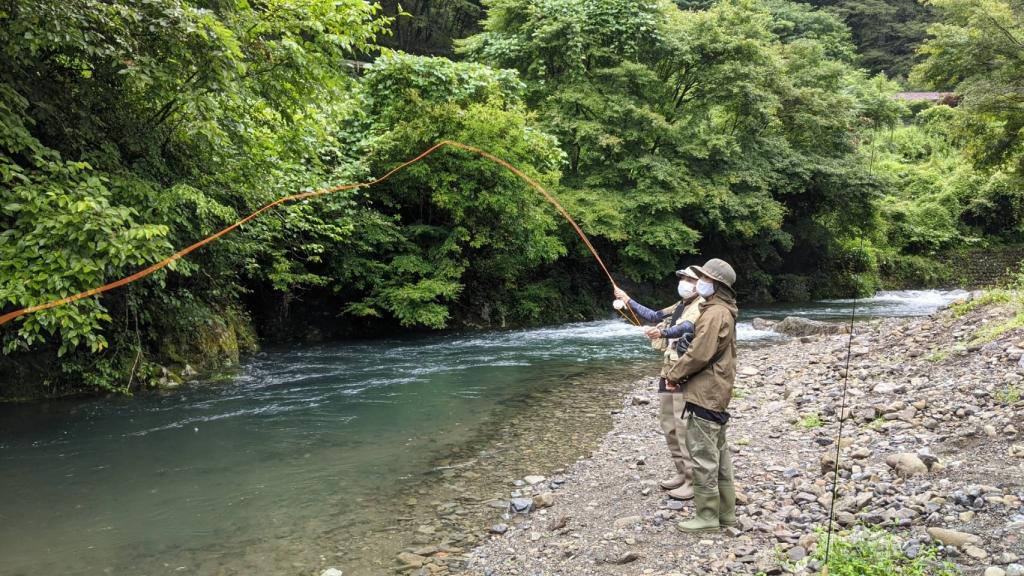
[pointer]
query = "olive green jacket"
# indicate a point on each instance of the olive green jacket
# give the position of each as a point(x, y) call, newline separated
point(704, 384)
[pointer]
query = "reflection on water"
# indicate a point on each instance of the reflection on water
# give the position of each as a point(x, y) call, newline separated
point(310, 456)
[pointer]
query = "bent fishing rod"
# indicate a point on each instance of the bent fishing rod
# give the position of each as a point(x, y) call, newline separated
point(5, 318)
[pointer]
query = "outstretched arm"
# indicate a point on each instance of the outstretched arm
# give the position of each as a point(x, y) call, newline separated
point(648, 315)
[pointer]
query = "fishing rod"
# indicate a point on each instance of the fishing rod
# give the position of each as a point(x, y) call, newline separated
point(314, 194)
point(839, 436)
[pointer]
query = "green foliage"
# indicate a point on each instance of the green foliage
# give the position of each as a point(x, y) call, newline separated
point(974, 50)
point(886, 32)
point(877, 553)
point(729, 132)
point(428, 27)
point(127, 129)
point(810, 422)
point(1009, 395)
point(459, 227)
point(738, 128)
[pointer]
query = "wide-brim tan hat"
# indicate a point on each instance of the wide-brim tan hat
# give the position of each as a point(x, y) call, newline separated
point(718, 270)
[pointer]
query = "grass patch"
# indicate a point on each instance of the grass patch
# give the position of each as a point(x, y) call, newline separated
point(740, 392)
point(938, 356)
point(876, 424)
point(877, 553)
point(1009, 395)
point(810, 422)
point(990, 333)
point(996, 296)
point(1011, 297)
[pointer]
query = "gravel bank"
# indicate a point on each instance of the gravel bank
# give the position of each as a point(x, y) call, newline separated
point(931, 452)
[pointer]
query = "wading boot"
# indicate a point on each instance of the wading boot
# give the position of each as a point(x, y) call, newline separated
point(683, 492)
point(673, 482)
point(706, 520)
point(726, 504)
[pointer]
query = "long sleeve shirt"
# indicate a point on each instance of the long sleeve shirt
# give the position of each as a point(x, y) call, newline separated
point(656, 316)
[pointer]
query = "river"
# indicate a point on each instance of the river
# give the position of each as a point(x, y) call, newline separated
point(324, 455)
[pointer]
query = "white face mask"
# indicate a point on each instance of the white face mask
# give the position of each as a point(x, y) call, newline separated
point(686, 289)
point(705, 288)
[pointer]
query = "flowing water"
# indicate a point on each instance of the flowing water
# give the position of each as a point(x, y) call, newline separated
point(323, 455)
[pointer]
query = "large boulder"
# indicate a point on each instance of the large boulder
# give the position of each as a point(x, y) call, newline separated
point(796, 326)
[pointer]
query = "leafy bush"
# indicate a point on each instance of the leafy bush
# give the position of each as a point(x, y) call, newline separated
point(810, 422)
point(877, 553)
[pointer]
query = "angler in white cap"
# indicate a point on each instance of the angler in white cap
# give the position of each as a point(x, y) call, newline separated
point(671, 335)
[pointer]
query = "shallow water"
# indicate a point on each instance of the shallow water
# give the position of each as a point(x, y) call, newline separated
point(333, 454)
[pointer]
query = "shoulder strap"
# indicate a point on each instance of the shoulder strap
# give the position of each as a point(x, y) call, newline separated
point(677, 313)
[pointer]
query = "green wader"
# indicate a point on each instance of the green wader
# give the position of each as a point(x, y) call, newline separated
point(713, 488)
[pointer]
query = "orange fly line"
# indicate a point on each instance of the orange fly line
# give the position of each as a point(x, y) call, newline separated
point(313, 194)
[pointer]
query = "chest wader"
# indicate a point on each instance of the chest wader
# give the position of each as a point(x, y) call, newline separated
point(713, 487)
point(670, 417)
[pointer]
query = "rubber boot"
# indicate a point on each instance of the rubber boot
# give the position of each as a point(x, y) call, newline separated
point(683, 492)
point(726, 504)
point(673, 482)
point(706, 520)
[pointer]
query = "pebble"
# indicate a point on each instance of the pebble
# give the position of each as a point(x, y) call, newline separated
point(952, 537)
point(411, 560)
point(907, 464)
point(332, 572)
point(543, 500)
point(627, 521)
point(975, 552)
point(521, 505)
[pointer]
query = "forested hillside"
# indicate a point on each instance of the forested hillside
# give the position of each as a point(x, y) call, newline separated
point(762, 131)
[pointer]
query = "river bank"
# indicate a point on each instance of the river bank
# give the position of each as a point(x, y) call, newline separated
point(922, 388)
point(365, 456)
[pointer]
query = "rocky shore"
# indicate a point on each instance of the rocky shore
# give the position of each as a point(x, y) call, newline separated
point(931, 452)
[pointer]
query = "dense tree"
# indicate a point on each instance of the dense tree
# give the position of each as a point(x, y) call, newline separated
point(976, 49)
point(428, 27)
point(741, 128)
point(127, 130)
point(886, 32)
point(725, 129)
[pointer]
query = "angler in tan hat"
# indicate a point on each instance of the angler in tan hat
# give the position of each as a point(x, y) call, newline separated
point(671, 334)
point(706, 374)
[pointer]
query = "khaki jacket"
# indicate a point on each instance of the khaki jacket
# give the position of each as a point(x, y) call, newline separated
point(710, 386)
